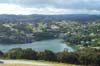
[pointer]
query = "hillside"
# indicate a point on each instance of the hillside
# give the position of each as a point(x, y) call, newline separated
point(48, 18)
point(31, 63)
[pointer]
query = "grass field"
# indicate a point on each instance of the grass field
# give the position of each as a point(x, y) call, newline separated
point(35, 65)
point(45, 62)
point(16, 65)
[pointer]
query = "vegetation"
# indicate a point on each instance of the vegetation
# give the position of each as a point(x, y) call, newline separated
point(11, 33)
point(83, 57)
point(48, 18)
point(18, 65)
point(85, 36)
point(53, 64)
point(74, 33)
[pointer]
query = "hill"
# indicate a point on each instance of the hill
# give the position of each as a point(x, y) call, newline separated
point(32, 63)
point(48, 18)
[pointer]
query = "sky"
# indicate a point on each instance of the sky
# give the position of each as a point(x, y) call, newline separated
point(26, 7)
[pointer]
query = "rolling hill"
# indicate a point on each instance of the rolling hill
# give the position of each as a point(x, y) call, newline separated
point(48, 18)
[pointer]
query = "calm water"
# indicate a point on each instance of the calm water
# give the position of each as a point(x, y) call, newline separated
point(54, 45)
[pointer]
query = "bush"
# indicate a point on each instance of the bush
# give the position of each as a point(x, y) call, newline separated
point(47, 55)
point(83, 57)
point(66, 57)
point(29, 54)
point(1, 54)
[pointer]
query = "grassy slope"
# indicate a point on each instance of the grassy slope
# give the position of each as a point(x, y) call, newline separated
point(35, 65)
point(51, 64)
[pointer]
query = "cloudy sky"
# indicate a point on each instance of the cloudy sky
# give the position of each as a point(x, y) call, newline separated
point(49, 7)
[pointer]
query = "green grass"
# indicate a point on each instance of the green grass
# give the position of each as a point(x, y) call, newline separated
point(36, 65)
point(46, 62)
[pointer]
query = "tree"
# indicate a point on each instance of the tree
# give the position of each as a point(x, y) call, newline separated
point(47, 55)
point(1, 54)
point(15, 53)
point(29, 54)
point(66, 57)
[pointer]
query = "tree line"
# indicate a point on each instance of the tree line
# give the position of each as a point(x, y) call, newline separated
point(86, 57)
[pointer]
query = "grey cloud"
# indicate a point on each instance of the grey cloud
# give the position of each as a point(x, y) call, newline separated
point(66, 4)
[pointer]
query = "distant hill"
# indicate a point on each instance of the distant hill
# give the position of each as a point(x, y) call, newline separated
point(48, 18)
